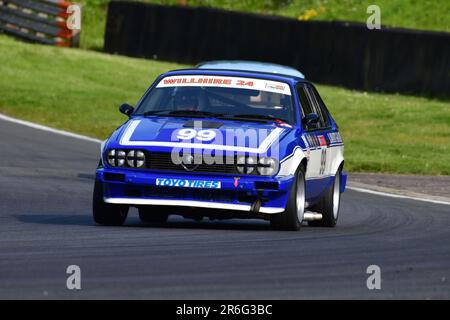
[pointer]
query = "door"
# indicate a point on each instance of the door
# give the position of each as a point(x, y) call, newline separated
point(315, 136)
point(323, 133)
point(316, 140)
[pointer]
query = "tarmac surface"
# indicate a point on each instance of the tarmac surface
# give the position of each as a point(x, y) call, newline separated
point(46, 183)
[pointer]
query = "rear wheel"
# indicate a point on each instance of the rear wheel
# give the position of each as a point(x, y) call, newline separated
point(153, 214)
point(105, 213)
point(329, 205)
point(292, 217)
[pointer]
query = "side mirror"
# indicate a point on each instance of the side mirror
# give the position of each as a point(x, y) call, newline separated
point(310, 119)
point(126, 109)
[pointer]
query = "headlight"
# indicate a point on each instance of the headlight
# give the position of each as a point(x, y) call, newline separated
point(135, 158)
point(116, 158)
point(246, 165)
point(267, 166)
point(111, 157)
point(120, 156)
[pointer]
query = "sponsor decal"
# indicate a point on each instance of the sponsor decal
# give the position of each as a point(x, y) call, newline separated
point(305, 141)
point(236, 182)
point(310, 141)
point(283, 124)
point(313, 141)
point(275, 86)
point(334, 137)
point(197, 80)
point(227, 82)
point(322, 141)
point(186, 183)
point(243, 83)
point(317, 141)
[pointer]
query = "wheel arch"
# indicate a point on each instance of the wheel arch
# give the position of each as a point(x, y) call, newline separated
point(337, 156)
point(304, 163)
point(290, 164)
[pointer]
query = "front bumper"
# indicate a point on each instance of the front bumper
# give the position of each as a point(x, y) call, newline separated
point(138, 188)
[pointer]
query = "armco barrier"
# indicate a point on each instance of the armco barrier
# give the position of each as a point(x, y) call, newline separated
point(337, 53)
point(42, 21)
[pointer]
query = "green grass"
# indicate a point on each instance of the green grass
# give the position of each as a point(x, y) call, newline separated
point(80, 91)
point(76, 90)
point(416, 14)
point(392, 133)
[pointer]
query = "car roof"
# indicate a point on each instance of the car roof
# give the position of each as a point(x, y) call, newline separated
point(253, 66)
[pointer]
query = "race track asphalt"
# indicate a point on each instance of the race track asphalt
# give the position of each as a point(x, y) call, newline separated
point(46, 182)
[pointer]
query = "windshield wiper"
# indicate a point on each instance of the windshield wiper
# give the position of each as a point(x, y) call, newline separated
point(183, 113)
point(253, 117)
point(195, 112)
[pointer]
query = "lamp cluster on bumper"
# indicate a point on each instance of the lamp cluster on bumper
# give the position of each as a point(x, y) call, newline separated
point(247, 165)
point(121, 158)
point(250, 165)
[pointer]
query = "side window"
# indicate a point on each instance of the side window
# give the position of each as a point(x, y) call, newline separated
point(321, 108)
point(306, 107)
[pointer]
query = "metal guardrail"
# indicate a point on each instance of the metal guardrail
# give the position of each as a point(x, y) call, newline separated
point(42, 21)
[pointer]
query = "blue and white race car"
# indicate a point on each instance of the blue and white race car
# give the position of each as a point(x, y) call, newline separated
point(227, 139)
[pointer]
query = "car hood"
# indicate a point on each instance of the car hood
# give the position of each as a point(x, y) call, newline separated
point(166, 133)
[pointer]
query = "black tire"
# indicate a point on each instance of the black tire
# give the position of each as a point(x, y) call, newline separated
point(153, 214)
point(105, 213)
point(329, 205)
point(289, 220)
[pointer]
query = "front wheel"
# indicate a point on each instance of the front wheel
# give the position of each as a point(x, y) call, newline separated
point(329, 204)
point(105, 213)
point(292, 217)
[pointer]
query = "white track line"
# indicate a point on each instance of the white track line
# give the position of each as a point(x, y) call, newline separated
point(398, 196)
point(85, 138)
point(48, 129)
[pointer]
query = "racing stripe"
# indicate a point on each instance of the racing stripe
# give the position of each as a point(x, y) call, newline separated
point(263, 147)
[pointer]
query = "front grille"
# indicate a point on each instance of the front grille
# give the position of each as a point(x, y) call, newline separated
point(163, 161)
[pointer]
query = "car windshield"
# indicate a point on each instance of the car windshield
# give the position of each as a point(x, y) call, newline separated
point(224, 97)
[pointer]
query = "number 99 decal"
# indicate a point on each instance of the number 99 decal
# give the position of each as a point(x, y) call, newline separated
point(202, 135)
